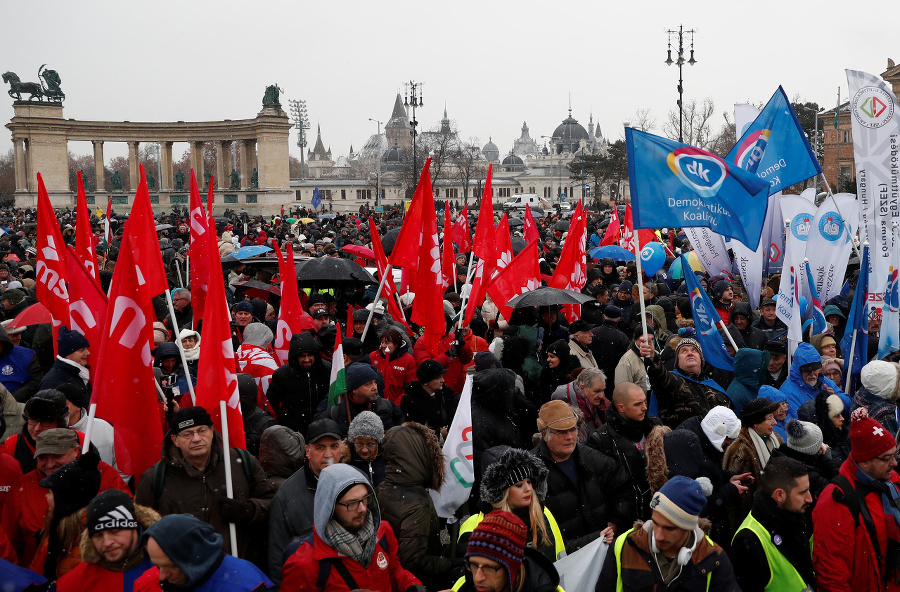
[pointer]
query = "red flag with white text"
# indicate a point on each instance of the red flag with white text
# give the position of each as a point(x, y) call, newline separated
point(448, 257)
point(428, 306)
point(407, 247)
point(484, 247)
point(290, 312)
point(87, 302)
point(84, 236)
point(503, 253)
point(51, 272)
point(522, 275)
point(531, 231)
point(571, 271)
point(389, 289)
point(613, 230)
point(629, 238)
point(199, 252)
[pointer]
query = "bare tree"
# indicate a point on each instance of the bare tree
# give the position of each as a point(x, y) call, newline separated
point(723, 141)
point(469, 165)
point(440, 144)
point(697, 123)
point(7, 178)
point(642, 120)
point(85, 164)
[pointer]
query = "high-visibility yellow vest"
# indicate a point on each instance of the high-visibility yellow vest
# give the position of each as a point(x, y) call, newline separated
point(617, 549)
point(559, 545)
point(784, 576)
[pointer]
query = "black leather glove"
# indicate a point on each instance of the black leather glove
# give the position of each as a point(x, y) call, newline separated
point(237, 511)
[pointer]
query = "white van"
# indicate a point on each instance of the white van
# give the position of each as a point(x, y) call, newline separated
point(520, 200)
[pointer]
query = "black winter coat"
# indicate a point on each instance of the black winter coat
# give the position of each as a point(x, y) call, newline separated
point(603, 495)
point(294, 392)
point(492, 408)
point(420, 407)
point(608, 347)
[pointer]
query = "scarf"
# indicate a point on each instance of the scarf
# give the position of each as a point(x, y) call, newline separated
point(764, 446)
point(193, 354)
point(360, 546)
point(592, 417)
point(889, 494)
point(83, 372)
point(709, 382)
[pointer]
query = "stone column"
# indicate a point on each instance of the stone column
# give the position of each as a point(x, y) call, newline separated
point(197, 161)
point(165, 161)
point(30, 177)
point(221, 170)
point(245, 171)
point(253, 162)
point(99, 169)
point(134, 170)
point(19, 164)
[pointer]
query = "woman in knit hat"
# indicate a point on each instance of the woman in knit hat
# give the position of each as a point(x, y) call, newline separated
point(557, 367)
point(516, 481)
point(362, 446)
point(751, 451)
point(805, 444)
point(879, 393)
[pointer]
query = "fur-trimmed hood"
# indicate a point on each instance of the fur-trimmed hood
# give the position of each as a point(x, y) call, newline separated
point(146, 517)
point(413, 457)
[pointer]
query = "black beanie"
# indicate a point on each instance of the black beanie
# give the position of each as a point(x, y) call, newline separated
point(112, 509)
point(74, 484)
point(192, 545)
point(189, 417)
point(70, 342)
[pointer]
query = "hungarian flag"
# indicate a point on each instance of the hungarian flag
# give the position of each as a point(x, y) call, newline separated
point(124, 389)
point(613, 230)
point(522, 275)
point(448, 258)
point(87, 302)
point(460, 231)
point(290, 312)
point(217, 369)
point(199, 253)
point(389, 289)
point(629, 239)
point(531, 230)
point(338, 383)
point(84, 237)
point(51, 273)
point(571, 271)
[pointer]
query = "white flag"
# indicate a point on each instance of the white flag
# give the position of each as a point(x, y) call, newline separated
point(876, 143)
point(787, 301)
point(799, 214)
point(580, 571)
point(459, 454)
point(828, 247)
point(710, 248)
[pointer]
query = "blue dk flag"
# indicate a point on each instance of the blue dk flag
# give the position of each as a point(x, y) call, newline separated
point(706, 322)
point(673, 184)
point(774, 146)
point(317, 199)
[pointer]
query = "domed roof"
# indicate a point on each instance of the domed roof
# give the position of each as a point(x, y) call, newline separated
point(395, 155)
point(513, 163)
point(490, 151)
point(568, 134)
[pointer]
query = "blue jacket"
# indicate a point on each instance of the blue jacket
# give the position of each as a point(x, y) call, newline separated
point(776, 396)
point(750, 367)
point(797, 391)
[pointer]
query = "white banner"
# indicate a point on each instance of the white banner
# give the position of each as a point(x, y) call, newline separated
point(710, 248)
point(828, 248)
point(876, 151)
point(580, 571)
point(749, 262)
point(799, 214)
point(459, 468)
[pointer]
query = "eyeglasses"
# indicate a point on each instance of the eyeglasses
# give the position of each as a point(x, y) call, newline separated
point(354, 504)
point(887, 458)
point(365, 445)
point(488, 570)
point(44, 424)
point(202, 431)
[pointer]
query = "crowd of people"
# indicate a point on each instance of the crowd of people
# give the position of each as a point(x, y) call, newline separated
point(765, 477)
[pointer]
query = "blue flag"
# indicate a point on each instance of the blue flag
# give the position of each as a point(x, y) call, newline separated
point(856, 334)
point(706, 323)
point(673, 184)
point(889, 336)
point(774, 147)
point(317, 199)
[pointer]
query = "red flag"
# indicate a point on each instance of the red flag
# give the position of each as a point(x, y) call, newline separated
point(51, 273)
point(124, 389)
point(428, 306)
point(448, 259)
point(199, 250)
point(87, 302)
point(217, 369)
point(531, 230)
point(358, 225)
point(389, 288)
point(349, 324)
point(84, 236)
point(613, 230)
point(460, 231)
point(503, 254)
point(629, 238)
point(290, 312)
point(571, 271)
point(145, 245)
point(484, 247)
point(522, 275)
point(407, 247)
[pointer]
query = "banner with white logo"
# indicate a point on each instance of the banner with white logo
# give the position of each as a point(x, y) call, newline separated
point(710, 248)
point(459, 454)
point(828, 247)
point(876, 151)
point(798, 214)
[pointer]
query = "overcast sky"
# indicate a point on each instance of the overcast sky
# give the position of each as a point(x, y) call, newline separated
point(495, 64)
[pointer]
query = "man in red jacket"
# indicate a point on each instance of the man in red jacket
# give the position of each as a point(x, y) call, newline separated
point(857, 517)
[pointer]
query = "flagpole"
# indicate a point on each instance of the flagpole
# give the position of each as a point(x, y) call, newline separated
point(184, 364)
point(229, 487)
point(727, 334)
point(850, 360)
point(469, 272)
point(90, 428)
point(640, 277)
point(387, 273)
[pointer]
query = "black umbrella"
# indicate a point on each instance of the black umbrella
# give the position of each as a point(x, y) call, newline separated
point(332, 271)
point(518, 243)
point(388, 240)
point(163, 227)
point(562, 226)
point(548, 297)
point(515, 223)
point(256, 289)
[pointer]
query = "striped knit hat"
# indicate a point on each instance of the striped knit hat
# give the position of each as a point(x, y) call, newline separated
point(680, 500)
point(500, 537)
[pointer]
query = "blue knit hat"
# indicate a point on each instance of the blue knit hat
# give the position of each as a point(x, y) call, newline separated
point(243, 306)
point(680, 500)
point(70, 342)
point(358, 375)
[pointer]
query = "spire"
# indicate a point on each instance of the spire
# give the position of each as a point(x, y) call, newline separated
point(570, 104)
point(445, 110)
point(399, 109)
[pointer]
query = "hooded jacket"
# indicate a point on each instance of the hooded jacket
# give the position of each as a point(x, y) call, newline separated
point(398, 370)
point(20, 369)
point(492, 408)
point(662, 326)
point(414, 464)
point(384, 572)
point(295, 392)
point(95, 573)
point(797, 391)
point(290, 515)
point(281, 453)
point(750, 368)
point(753, 337)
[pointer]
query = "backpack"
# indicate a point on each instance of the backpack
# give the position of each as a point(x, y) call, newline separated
point(159, 474)
point(844, 493)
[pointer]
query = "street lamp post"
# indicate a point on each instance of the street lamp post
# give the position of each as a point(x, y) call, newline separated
point(301, 122)
point(553, 174)
point(413, 98)
point(680, 62)
point(378, 166)
point(582, 175)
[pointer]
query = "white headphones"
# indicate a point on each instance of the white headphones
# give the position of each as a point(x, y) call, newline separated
point(684, 554)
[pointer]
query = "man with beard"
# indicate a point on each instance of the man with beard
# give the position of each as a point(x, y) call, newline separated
point(297, 387)
point(623, 436)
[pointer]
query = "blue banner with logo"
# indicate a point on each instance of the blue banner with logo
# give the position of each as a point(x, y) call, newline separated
point(317, 199)
point(706, 322)
point(673, 184)
point(774, 147)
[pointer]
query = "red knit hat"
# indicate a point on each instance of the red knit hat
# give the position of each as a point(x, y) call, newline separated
point(868, 438)
point(500, 537)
